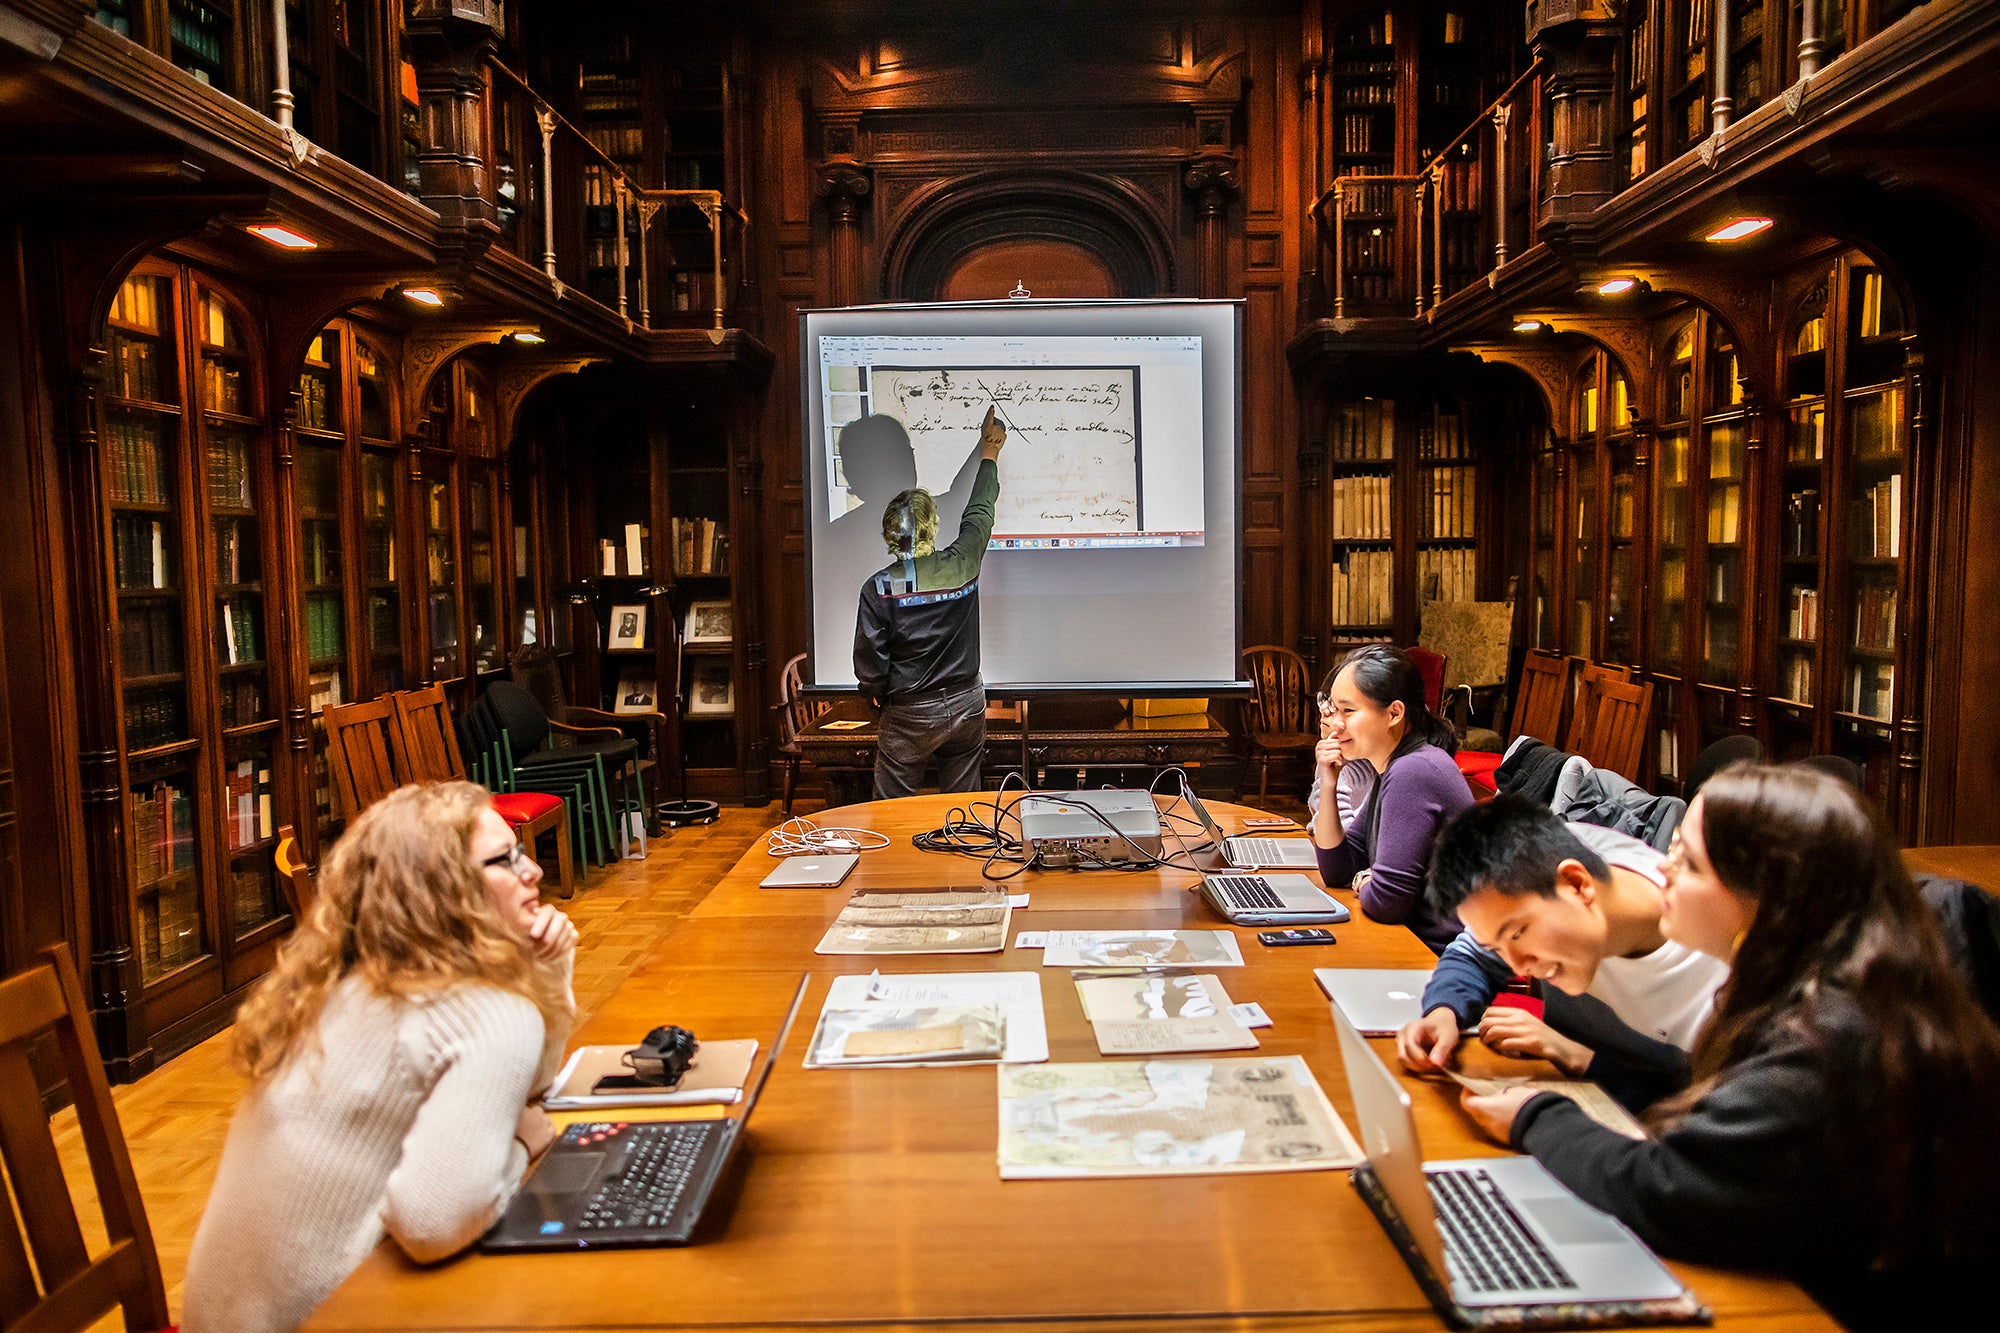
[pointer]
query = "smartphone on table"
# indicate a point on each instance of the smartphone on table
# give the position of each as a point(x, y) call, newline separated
point(1279, 938)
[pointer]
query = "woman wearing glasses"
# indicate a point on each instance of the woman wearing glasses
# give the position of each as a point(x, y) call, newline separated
point(1372, 707)
point(391, 1053)
point(1839, 1126)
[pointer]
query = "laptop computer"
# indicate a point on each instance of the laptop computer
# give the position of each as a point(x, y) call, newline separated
point(810, 872)
point(1271, 900)
point(1377, 1000)
point(604, 1184)
point(1252, 851)
point(1495, 1242)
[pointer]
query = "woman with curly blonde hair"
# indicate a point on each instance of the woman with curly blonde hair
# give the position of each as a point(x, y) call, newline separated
point(392, 1053)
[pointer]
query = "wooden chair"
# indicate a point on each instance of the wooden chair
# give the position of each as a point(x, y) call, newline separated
point(539, 672)
point(426, 749)
point(1591, 677)
point(74, 1291)
point(1538, 703)
point(361, 742)
point(295, 874)
point(1279, 719)
point(795, 713)
point(1618, 731)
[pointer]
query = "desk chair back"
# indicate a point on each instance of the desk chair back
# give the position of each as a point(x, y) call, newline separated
point(1279, 717)
point(65, 1288)
point(295, 874)
point(361, 745)
point(795, 714)
point(1538, 703)
point(1591, 678)
point(1618, 732)
point(426, 746)
point(539, 672)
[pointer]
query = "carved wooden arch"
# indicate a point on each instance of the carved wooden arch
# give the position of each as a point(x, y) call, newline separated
point(516, 380)
point(299, 312)
point(1549, 362)
point(949, 218)
point(430, 349)
point(97, 255)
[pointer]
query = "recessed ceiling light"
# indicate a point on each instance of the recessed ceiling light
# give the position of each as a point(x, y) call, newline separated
point(1615, 286)
point(423, 296)
point(283, 236)
point(530, 338)
point(1740, 228)
point(1528, 326)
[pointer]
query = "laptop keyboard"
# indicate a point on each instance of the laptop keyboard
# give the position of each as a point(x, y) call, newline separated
point(1264, 851)
point(1246, 892)
point(659, 1163)
point(1488, 1245)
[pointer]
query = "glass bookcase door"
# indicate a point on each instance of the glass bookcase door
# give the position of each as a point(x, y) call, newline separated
point(1544, 591)
point(1796, 667)
point(1722, 609)
point(1361, 519)
point(168, 920)
point(1620, 593)
point(441, 570)
point(1670, 597)
point(482, 573)
point(1583, 565)
point(1447, 492)
point(382, 606)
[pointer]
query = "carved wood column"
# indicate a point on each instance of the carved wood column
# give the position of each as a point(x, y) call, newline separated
point(1645, 438)
point(1750, 715)
point(1914, 580)
point(844, 186)
point(1213, 180)
point(450, 55)
point(283, 613)
point(1577, 41)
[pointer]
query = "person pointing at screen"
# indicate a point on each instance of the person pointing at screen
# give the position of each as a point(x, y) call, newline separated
point(916, 636)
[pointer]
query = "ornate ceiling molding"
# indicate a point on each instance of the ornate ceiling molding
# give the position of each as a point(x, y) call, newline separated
point(519, 378)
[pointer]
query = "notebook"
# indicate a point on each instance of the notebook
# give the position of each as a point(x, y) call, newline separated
point(716, 1074)
point(1377, 1000)
point(1498, 1242)
point(605, 1184)
point(810, 872)
point(1253, 851)
point(1271, 900)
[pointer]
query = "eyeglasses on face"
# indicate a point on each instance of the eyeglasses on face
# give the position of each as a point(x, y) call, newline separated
point(515, 858)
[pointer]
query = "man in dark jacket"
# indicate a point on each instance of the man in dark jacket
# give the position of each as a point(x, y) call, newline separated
point(916, 636)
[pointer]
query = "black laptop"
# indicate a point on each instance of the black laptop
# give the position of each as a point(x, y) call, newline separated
point(614, 1183)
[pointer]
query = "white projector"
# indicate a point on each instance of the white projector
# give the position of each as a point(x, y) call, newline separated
point(1086, 827)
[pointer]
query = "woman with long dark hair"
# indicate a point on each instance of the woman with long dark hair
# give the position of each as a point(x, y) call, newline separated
point(1839, 1125)
point(1372, 707)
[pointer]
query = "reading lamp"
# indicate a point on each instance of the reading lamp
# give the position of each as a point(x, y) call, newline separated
point(681, 813)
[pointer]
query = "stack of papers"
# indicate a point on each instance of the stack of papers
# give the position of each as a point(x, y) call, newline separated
point(945, 921)
point(1159, 1014)
point(953, 1017)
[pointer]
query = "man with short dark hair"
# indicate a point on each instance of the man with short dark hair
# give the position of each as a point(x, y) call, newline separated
point(1576, 910)
point(916, 637)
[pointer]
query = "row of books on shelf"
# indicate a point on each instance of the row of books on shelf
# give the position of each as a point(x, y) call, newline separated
point(620, 140)
point(1365, 81)
point(326, 635)
point(1795, 678)
point(1441, 434)
point(323, 691)
point(321, 539)
point(139, 553)
point(137, 370)
point(1361, 508)
point(317, 410)
point(1377, 31)
point(1370, 249)
point(1878, 520)
point(1624, 507)
point(149, 638)
point(1799, 527)
point(602, 252)
point(701, 546)
point(1718, 642)
point(1802, 614)
point(134, 470)
point(1725, 514)
point(236, 630)
point(1447, 575)
point(1871, 689)
point(1364, 431)
point(162, 822)
point(600, 188)
point(222, 386)
point(1458, 183)
point(1363, 588)
point(1358, 129)
point(1875, 617)
point(155, 715)
point(250, 898)
point(1464, 248)
point(137, 303)
point(1725, 579)
point(247, 811)
point(628, 556)
point(240, 696)
point(169, 928)
point(230, 482)
point(1453, 502)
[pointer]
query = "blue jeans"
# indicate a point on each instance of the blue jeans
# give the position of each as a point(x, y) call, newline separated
point(951, 729)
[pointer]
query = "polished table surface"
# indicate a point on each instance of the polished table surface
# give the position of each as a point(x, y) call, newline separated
point(872, 1197)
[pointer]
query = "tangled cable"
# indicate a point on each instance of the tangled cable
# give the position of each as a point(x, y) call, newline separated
point(799, 836)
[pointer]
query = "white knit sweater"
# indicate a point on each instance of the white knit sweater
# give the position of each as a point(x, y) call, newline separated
point(403, 1123)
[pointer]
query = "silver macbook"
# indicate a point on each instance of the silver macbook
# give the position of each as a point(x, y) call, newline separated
point(1377, 1000)
point(811, 872)
point(1253, 851)
point(1271, 900)
point(1500, 1231)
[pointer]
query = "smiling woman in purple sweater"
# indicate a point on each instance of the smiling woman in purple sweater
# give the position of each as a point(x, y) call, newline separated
point(1372, 707)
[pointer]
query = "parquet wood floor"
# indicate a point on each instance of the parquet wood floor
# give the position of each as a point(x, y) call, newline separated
point(176, 1118)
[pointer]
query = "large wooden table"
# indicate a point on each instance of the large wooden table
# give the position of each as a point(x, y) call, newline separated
point(871, 1197)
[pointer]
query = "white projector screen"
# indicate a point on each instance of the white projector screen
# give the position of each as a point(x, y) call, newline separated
point(1113, 558)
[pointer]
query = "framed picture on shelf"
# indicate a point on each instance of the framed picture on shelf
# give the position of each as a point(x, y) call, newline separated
point(710, 622)
point(637, 691)
point(711, 691)
point(628, 627)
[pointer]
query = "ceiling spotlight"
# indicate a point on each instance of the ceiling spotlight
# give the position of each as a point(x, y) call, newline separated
point(1740, 228)
point(1616, 287)
point(423, 296)
point(283, 237)
point(1529, 326)
point(529, 338)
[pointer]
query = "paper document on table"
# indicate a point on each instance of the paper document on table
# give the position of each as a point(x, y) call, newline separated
point(1594, 1101)
point(886, 1033)
point(1159, 1014)
point(1017, 996)
point(1141, 948)
point(1168, 1118)
point(947, 921)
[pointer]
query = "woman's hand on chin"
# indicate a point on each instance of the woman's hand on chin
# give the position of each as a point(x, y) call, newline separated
point(552, 933)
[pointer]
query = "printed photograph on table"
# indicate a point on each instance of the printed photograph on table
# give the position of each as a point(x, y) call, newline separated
point(710, 622)
point(637, 692)
point(628, 627)
point(711, 693)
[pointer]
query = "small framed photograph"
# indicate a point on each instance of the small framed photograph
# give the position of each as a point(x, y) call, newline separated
point(637, 691)
point(710, 622)
point(628, 627)
point(711, 691)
